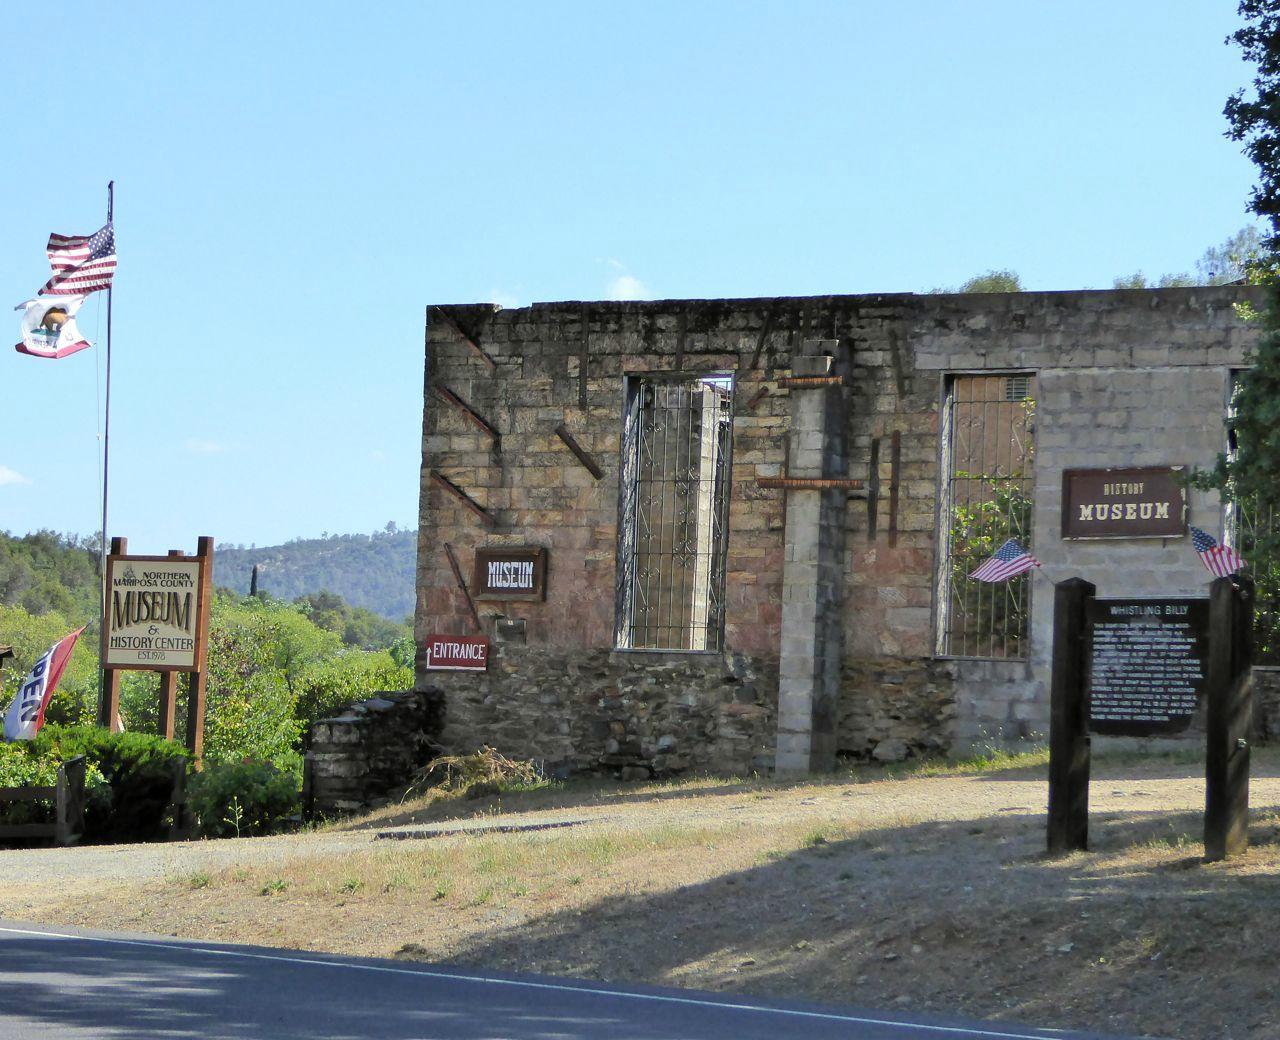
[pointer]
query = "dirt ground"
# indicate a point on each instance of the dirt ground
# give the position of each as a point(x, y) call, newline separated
point(921, 892)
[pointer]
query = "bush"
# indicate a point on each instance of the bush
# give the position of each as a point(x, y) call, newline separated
point(231, 799)
point(352, 676)
point(137, 773)
point(19, 767)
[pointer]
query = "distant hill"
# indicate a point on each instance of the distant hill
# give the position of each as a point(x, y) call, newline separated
point(45, 571)
point(372, 571)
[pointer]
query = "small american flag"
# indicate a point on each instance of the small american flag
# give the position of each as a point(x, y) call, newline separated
point(1010, 560)
point(81, 264)
point(1219, 560)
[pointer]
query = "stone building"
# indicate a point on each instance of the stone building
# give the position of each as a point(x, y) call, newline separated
point(758, 515)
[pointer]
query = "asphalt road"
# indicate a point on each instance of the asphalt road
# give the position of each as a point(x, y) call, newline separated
point(70, 984)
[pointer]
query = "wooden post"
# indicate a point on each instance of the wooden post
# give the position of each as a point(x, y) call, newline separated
point(1230, 714)
point(69, 802)
point(169, 687)
point(1069, 750)
point(109, 705)
point(196, 681)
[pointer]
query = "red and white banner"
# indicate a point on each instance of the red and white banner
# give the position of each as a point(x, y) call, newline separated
point(26, 714)
point(457, 653)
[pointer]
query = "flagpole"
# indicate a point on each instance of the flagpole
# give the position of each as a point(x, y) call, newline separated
point(106, 461)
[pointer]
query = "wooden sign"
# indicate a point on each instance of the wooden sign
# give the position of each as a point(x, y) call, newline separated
point(1147, 663)
point(156, 619)
point(153, 613)
point(1124, 503)
point(457, 653)
point(510, 572)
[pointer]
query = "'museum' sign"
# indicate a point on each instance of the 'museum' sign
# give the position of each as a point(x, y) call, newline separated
point(1146, 664)
point(153, 613)
point(1123, 503)
point(510, 572)
point(457, 653)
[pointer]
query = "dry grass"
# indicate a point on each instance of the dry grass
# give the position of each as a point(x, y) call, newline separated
point(924, 887)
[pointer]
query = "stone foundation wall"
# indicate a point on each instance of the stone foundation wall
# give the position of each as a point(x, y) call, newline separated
point(1266, 705)
point(357, 758)
point(634, 715)
point(896, 708)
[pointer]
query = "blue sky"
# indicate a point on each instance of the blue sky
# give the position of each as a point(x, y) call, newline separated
point(296, 181)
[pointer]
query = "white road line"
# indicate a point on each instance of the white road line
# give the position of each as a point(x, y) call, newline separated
point(529, 984)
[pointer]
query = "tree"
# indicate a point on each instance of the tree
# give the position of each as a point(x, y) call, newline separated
point(1230, 261)
point(1254, 118)
point(1246, 476)
point(1218, 265)
point(993, 281)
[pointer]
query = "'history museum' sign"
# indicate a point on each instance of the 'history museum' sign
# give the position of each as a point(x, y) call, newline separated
point(510, 572)
point(1123, 503)
point(1146, 664)
point(153, 613)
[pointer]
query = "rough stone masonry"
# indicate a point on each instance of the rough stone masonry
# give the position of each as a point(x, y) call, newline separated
point(828, 576)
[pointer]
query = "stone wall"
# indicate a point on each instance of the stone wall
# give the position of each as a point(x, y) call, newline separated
point(357, 758)
point(1125, 377)
point(893, 708)
point(630, 715)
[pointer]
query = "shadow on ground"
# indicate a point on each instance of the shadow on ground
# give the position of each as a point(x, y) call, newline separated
point(1137, 936)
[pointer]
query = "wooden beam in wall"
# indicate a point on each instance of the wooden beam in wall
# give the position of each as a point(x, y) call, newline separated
point(810, 483)
point(462, 584)
point(476, 349)
point(579, 452)
point(475, 417)
point(805, 382)
point(873, 492)
point(895, 467)
point(457, 492)
point(765, 329)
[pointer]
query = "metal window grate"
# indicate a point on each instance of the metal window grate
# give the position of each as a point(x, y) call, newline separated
point(675, 512)
point(1017, 388)
point(988, 453)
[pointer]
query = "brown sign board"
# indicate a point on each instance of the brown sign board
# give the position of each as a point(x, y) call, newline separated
point(1147, 664)
point(1124, 503)
point(510, 573)
point(157, 615)
point(457, 653)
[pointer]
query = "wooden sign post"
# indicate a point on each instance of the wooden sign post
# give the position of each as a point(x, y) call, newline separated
point(1069, 750)
point(1141, 668)
point(1226, 807)
point(156, 619)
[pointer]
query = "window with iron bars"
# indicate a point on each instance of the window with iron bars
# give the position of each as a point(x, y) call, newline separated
point(674, 512)
point(988, 451)
point(1245, 521)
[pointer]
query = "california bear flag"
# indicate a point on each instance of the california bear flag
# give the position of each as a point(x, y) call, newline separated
point(26, 713)
point(49, 327)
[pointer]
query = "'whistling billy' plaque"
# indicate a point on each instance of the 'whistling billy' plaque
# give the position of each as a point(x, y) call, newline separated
point(1146, 664)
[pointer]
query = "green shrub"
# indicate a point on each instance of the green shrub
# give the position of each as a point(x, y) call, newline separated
point(331, 685)
point(137, 771)
point(231, 799)
point(23, 765)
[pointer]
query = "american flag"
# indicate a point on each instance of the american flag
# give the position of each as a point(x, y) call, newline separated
point(1010, 560)
point(81, 264)
point(1219, 560)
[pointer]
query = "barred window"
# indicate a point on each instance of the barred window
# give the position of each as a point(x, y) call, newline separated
point(674, 512)
point(988, 425)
